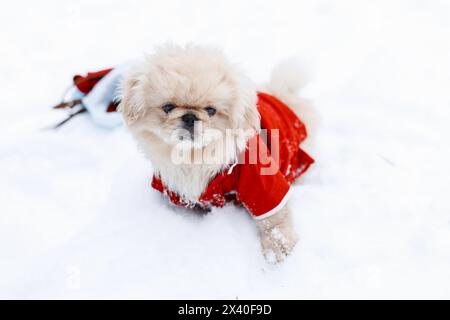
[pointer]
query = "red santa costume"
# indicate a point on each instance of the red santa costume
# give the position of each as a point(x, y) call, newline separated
point(243, 182)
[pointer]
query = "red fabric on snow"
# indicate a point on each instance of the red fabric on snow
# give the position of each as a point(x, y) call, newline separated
point(86, 83)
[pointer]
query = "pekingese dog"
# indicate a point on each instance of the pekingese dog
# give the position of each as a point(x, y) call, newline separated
point(213, 138)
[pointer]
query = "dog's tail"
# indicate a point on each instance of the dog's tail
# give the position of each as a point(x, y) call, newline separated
point(288, 78)
point(286, 81)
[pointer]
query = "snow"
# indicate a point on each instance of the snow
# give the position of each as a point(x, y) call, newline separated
point(79, 220)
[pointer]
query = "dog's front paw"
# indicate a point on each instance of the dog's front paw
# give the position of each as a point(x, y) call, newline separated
point(277, 243)
point(278, 237)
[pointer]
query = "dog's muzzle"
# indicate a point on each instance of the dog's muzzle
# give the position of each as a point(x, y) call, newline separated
point(189, 121)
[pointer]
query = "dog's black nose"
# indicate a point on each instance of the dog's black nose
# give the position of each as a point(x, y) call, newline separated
point(189, 120)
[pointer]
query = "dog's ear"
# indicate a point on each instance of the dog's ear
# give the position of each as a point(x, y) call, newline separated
point(252, 117)
point(132, 103)
point(249, 118)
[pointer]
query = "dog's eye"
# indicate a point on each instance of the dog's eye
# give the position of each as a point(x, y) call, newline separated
point(168, 107)
point(210, 110)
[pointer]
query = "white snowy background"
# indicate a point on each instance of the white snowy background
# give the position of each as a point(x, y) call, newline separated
point(79, 220)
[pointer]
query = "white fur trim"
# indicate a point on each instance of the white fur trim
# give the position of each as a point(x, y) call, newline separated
point(277, 208)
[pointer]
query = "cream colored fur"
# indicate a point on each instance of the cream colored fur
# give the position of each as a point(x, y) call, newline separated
point(193, 78)
point(278, 236)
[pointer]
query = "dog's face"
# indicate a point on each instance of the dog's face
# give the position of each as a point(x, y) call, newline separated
point(188, 95)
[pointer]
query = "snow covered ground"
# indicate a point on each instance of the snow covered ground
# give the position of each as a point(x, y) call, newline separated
point(77, 216)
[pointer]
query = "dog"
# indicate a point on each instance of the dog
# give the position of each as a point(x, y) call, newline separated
point(183, 104)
